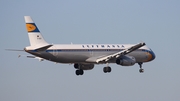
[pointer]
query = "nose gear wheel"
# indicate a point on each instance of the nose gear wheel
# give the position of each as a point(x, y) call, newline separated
point(140, 65)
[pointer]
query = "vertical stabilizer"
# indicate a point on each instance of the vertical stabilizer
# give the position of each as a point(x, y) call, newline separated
point(35, 37)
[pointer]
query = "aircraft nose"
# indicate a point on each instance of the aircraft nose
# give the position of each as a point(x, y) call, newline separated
point(153, 55)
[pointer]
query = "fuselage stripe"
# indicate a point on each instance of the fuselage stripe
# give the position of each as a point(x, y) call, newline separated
point(87, 50)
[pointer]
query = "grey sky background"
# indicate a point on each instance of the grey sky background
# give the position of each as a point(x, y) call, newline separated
point(156, 22)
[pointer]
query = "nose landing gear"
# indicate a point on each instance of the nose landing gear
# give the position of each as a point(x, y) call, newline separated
point(140, 65)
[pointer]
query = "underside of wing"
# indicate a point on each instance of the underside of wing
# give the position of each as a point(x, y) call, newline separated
point(94, 59)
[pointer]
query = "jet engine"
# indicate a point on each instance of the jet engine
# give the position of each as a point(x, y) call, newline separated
point(126, 61)
point(84, 66)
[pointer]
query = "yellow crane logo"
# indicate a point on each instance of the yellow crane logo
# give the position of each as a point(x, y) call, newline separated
point(30, 27)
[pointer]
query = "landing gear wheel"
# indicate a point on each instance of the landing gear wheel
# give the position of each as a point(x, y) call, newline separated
point(79, 72)
point(107, 69)
point(141, 70)
point(76, 66)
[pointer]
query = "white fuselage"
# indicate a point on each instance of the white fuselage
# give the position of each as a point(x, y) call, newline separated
point(87, 53)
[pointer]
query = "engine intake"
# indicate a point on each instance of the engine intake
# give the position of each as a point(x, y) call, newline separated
point(126, 61)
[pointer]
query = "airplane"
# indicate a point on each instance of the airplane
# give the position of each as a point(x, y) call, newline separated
point(85, 56)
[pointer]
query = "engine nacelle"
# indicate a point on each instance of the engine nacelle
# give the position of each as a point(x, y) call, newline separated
point(84, 66)
point(126, 61)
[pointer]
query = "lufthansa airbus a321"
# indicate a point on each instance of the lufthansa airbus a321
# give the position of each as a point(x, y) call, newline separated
point(85, 56)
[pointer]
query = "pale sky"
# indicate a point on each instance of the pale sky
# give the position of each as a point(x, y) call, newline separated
point(155, 22)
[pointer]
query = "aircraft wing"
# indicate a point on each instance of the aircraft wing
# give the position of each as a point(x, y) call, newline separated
point(118, 54)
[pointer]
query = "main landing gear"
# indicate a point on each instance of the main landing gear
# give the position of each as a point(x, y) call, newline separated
point(107, 69)
point(79, 72)
point(140, 65)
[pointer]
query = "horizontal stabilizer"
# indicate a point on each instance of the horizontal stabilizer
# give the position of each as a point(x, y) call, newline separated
point(34, 57)
point(13, 50)
point(31, 57)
